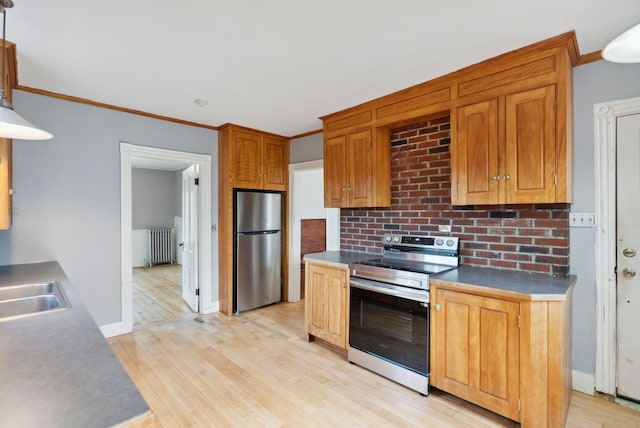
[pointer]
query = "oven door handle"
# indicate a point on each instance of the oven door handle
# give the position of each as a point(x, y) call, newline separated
point(390, 290)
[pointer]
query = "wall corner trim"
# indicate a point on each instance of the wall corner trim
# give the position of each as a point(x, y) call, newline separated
point(110, 330)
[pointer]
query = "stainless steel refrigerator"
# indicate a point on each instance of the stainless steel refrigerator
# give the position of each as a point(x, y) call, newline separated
point(258, 250)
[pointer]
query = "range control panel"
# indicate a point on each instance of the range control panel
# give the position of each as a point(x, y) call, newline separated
point(443, 242)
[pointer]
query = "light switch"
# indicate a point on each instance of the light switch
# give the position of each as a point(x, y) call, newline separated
point(582, 219)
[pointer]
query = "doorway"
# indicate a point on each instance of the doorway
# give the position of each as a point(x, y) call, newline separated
point(159, 245)
point(306, 185)
point(612, 243)
point(129, 154)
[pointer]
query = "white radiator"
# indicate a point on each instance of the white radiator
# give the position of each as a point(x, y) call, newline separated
point(161, 244)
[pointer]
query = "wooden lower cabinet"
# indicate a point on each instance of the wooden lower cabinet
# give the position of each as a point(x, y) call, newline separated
point(326, 303)
point(477, 350)
point(510, 356)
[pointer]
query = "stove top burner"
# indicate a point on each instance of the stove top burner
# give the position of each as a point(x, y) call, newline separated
point(408, 260)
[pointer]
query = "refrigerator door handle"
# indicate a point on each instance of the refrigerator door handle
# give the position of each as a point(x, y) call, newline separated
point(260, 232)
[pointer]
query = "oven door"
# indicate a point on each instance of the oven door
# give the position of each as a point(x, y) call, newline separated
point(390, 322)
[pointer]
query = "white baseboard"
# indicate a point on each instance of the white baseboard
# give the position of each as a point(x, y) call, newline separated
point(211, 308)
point(113, 329)
point(583, 382)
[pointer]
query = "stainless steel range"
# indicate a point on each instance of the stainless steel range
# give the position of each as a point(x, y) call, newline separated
point(389, 307)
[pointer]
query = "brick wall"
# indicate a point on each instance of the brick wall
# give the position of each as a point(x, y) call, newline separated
point(533, 238)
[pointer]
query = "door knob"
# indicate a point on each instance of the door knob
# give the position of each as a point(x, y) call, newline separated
point(629, 252)
point(496, 178)
point(628, 273)
point(437, 306)
point(507, 176)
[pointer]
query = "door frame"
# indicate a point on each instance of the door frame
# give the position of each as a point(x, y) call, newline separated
point(333, 227)
point(127, 151)
point(605, 131)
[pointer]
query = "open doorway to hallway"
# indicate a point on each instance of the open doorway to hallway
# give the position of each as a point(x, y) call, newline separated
point(197, 186)
point(157, 240)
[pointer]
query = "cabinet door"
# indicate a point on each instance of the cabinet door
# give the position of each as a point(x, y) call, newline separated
point(5, 183)
point(247, 158)
point(275, 163)
point(475, 162)
point(360, 169)
point(326, 300)
point(530, 146)
point(477, 350)
point(335, 169)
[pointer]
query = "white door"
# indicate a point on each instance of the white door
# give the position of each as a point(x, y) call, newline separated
point(628, 255)
point(190, 237)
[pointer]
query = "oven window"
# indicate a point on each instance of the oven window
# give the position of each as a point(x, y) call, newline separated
point(393, 328)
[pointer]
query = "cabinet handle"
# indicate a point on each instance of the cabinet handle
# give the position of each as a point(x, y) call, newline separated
point(507, 176)
point(437, 306)
point(496, 178)
point(349, 189)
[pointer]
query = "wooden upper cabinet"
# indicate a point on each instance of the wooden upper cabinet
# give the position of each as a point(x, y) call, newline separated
point(357, 169)
point(530, 165)
point(511, 131)
point(505, 150)
point(275, 165)
point(257, 160)
point(476, 154)
point(335, 171)
point(246, 149)
point(360, 168)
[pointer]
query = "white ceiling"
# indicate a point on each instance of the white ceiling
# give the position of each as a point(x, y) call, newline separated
point(277, 65)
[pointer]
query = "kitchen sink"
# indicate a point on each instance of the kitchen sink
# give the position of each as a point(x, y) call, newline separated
point(30, 299)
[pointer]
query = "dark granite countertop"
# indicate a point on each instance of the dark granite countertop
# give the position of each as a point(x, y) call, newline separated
point(519, 285)
point(56, 368)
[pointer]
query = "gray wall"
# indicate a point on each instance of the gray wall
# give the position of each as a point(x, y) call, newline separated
point(154, 198)
point(306, 149)
point(593, 83)
point(67, 200)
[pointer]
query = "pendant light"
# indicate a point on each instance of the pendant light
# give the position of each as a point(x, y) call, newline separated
point(625, 48)
point(12, 125)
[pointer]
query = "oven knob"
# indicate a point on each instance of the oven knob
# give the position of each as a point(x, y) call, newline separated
point(449, 242)
point(439, 242)
point(396, 239)
point(387, 238)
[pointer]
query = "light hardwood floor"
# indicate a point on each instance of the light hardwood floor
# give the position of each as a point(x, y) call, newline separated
point(157, 295)
point(258, 370)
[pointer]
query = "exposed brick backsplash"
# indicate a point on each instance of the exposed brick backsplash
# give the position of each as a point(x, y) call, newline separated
point(531, 238)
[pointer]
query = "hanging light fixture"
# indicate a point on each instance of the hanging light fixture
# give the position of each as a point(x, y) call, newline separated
point(12, 125)
point(625, 48)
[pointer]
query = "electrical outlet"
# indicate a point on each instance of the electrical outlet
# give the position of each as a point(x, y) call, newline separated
point(214, 227)
point(444, 228)
point(582, 219)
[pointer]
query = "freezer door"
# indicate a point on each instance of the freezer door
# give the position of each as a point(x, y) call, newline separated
point(257, 211)
point(258, 269)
